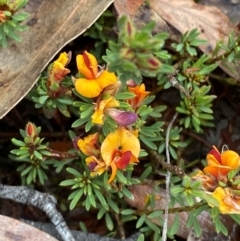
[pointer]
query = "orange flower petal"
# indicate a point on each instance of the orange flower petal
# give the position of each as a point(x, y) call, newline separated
point(231, 159)
point(87, 65)
point(87, 88)
point(114, 172)
point(106, 78)
point(217, 171)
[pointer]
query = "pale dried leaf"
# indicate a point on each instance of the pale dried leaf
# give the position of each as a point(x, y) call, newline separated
point(140, 13)
point(12, 229)
point(186, 15)
point(51, 26)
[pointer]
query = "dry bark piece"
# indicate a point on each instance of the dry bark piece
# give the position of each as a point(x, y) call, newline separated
point(51, 26)
point(140, 192)
point(12, 229)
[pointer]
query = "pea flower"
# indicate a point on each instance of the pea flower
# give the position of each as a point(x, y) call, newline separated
point(228, 202)
point(140, 93)
point(122, 118)
point(101, 108)
point(57, 70)
point(89, 145)
point(96, 166)
point(93, 81)
point(220, 164)
point(119, 149)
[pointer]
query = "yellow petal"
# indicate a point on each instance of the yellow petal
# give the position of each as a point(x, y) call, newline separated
point(87, 88)
point(121, 139)
point(106, 78)
point(231, 159)
point(88, 145)
point(87, 65)
point(97, 117)
point(63, 58)
point(227, 205)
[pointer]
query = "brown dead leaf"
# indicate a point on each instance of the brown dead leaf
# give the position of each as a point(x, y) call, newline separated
point(186, 15)
point(127, 7)
point(52, 25)
point(12, 229)
point(140, 192)
point(141, 14)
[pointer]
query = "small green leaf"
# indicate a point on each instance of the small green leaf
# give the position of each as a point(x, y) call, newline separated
point(69, 182)
point(175, 225)
point(38, 155)
point(146, 173)
point(18, 142)
point(76, 199)
point(141, 220)
point(155, 214)
point(109, 222)
point(74, 172)
point(141, 237)
point(127, 212)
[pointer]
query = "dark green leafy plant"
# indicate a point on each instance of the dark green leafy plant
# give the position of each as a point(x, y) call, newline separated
point(11, 19)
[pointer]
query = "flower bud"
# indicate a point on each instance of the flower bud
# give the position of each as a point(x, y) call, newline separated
point(147, 61)
point(127, 53)
point(122, 118)
point(131, 83)
point(31, 131)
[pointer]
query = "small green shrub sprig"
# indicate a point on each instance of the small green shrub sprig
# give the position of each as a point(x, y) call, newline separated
point(10, 20)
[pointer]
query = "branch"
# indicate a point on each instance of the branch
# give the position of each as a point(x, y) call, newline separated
point(165, 224)
point(45, 202)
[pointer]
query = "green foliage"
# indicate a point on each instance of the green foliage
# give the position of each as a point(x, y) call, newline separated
point(197, 109)
point(11, 19)
point(102, 32)
point(50, 100)
point(137, 53)
point(136, 56)
point(32, 152)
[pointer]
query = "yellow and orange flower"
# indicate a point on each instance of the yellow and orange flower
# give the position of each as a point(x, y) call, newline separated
point(119, 149)
point(93, 81)
point(101, 108)
point(208, 182)
point(57, 70)
point(220, 164)
point(96, 166)
point(89, 145)
point(140, 93)
point(228, 202)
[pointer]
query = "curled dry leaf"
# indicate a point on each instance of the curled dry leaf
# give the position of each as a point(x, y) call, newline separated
point(52, 25)
point(140, 192)
point(12, 229)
